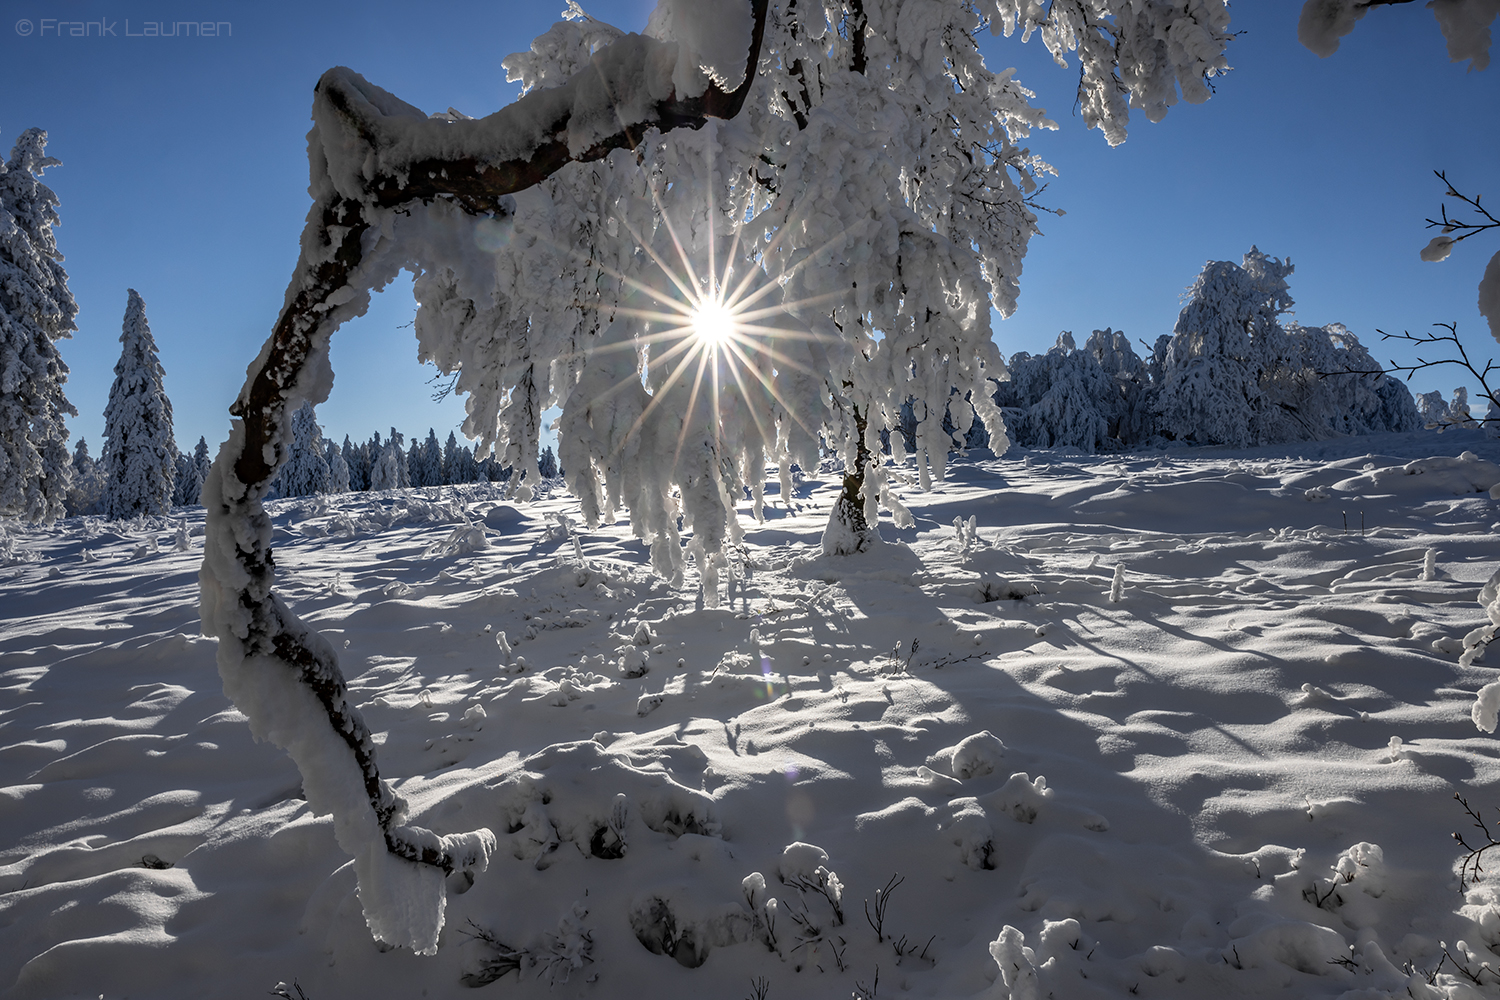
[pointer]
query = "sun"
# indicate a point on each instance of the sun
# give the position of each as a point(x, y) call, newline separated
point(713, 323)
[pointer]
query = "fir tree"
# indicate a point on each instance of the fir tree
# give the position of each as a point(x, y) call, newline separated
point(201, 458)
point(357, 460)
point(338, 469)
point(189, 484)
point(426, 462)
point(306, 471)
point(36, 309)
point(88, 482)
point(458, 462)
point(139, 457)
point(546, 463)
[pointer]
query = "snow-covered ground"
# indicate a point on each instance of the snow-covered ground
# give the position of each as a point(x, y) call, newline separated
point(1238, 776)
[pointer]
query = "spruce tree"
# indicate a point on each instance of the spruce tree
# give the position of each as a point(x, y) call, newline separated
point(140, 457)
point(36, 309)
point(338, 469)
point(426, 461)
point(202, 458)
point(357, 460)
point(306, 471)
point(546, 463)
point(88, 482)
point(189, 484)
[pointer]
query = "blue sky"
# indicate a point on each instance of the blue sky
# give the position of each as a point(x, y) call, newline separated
point(185, 177)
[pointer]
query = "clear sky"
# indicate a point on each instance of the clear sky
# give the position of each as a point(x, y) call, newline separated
point(185, 177)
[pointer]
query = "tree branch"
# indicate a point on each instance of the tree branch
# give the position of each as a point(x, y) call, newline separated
point(328, 275)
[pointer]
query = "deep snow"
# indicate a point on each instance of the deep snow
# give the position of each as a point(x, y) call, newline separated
point(1117, 735)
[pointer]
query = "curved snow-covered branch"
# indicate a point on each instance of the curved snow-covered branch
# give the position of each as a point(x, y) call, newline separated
point(369, 154)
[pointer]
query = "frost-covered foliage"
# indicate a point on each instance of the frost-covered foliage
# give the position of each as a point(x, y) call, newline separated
point(139, 455)
point(1062, 398)
point(306, 471)
point(855, 297)
point(1229, 374)
point(1465, 25)
point(458, 462)
point(357, 459)
point(546, 463)
point(1226, 338)
point(1433, 410)
point(36, 309)
point(191, 471)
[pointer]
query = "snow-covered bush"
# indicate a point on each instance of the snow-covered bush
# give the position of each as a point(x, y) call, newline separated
point(36, 309)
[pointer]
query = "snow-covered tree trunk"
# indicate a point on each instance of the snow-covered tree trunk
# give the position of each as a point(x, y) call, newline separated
point(139, 454)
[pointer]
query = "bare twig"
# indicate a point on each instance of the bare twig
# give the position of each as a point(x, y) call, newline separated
point(1464, 228)
point(1463, 361)
point(882, 899)
point(1471, 871)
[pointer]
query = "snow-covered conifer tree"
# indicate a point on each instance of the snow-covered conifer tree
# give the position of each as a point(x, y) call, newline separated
point(338, 469)
point(388, 469)
point(139, 454)
point(189, 481)
point(357, 458)
point(36, 309)
point(546, 463)
point(425, 461)
point(87, 488)
point(827, 239)
point(306, 471)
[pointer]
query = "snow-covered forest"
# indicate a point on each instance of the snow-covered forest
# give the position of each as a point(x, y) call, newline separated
point(830, 652)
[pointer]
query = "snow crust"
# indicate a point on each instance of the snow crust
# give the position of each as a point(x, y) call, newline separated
point(1277, 712)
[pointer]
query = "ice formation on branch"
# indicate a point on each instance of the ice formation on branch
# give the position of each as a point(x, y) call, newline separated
point(139, 454)
point(567, 248)
point(36, 309)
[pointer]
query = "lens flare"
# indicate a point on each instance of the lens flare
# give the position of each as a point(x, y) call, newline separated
point(713, 323)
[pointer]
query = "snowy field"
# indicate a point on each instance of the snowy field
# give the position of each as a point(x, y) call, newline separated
point(1235, 778)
